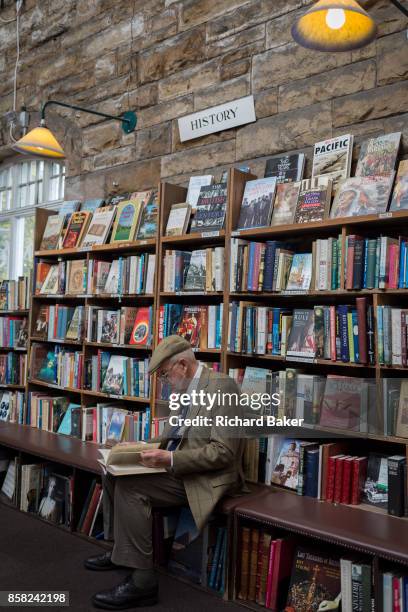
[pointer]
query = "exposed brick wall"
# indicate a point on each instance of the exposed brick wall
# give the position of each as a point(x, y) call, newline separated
point(167, 58)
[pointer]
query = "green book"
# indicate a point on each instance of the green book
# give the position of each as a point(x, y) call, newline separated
point(340, 255)
point(350, 336)
point(335, 264)
point(371, 262)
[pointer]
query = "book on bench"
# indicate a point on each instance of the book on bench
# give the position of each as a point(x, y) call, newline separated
point(125, 459)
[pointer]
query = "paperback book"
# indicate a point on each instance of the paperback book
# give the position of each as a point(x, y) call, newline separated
point(126, 221)
point(332, 158)
point(194, 186)
point(52, 233)
point(314, 200)
point(211, 209)
point(301, 341)
point(366, 195)
point(99, 226)
point(148, 221)
point(257, 203)
point(378, 156)
point(178, 220)
point(286, 168)
point(76, 229)
point(400, 195)
point(286, 200)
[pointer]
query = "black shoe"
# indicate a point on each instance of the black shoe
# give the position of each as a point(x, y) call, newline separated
point(126, 595)
point(100, 563)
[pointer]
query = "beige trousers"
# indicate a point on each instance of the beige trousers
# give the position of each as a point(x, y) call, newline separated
point(128, 502)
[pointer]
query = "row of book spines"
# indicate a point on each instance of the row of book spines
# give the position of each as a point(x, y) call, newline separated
point(135, 382)
point(345, 479)
point(394, 592)
point(15, 294)
point(16, 410)
point(264, 562)
point(96, 421)
point(58, 320)
point(208, 326)
point(124, 334)
point(9, 328)
point(14, 369)
point(392, 336)
point(133, 273)
point(341, 333)
point(258, 266)
point(176, 265)
point(380, 262)
point(357, 586)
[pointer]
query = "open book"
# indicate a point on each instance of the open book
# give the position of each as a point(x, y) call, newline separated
point(124, 459)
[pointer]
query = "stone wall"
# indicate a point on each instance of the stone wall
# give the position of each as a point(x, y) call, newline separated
point(168, 58)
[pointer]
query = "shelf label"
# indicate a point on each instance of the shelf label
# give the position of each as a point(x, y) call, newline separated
point(209, 234)
point(142, 241)
point(236, 233)
point(301, 359)
point(294, 292)
point(385, 215)
point(84, 249)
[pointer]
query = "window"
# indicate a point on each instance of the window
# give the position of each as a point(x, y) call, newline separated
point(23, 186)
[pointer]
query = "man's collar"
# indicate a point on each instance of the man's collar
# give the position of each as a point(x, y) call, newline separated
point(194, 381)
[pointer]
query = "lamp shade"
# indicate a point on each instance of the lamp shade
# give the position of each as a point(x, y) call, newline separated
point(40, 141)
point(334, 25)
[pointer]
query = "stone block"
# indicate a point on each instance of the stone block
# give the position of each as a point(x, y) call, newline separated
point(266, 102)
point(153, 141)
point(226, 91)
point(193, 13)
point(381, 102)
point(252, 37)
point(392, 58)
point(134, 176)
point(99, 137)
point(165, 111)
point(203, 75)
point(194, 160)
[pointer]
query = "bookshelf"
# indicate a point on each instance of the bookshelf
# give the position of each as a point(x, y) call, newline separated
point(359, 528)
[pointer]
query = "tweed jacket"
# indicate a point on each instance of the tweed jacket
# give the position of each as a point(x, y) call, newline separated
point(206, 460)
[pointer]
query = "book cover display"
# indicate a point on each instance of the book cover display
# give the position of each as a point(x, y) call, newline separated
point(286, 470)
point(368, 195)
point(126, 221)
point(257, 203)
point(332, 157)
point(286, 200)
point(148, 221)
point(211, 209)
point(286, 168)
point(378, 156)
point(314, 200)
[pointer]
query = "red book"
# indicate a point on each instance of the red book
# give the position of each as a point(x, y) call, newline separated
point(396, 595)
point(404, 337)
point(350, 262)
point(328, 450)
point(338, 479)
point(331, 477)
point(346, 486)
point(359, 473)
point(361, 303)
point(394, 266)
point(86, 525)
point(270, 574)
point(282, 569)
point(140, 332)
point(333, 354)
point(259, 567)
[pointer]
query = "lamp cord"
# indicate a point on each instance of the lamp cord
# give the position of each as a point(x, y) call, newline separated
point(400, 7)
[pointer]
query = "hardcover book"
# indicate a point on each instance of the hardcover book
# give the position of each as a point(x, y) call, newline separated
point(190, 325)
point(178, 220)
point(108, 327)
point(148, 221)
point(342, 403)
point(52, 233)
point(194, 186)
point(92, 204)
point(286, 470)
point(257, 203)
point(366, 195)
point(402, 415)
point(41, 323)
point(211, 209)
point(99, 226)
point(301, 341)
point(126, 221)
point(196, 273)
point(75, 329)
point(113, 381)
point(286, 200)
point(332, 158)
point(76, 276)
point(315, 579)
point(300, 275)
point(76, 229)
point(378, 156)
point(140, 335)
point(286, 168)
point(314, 200)
point(400, 194)
point(375, 490)
point(50, 284)
point(127, 321)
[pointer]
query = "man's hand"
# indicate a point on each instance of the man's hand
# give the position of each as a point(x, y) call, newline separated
point(156, 458)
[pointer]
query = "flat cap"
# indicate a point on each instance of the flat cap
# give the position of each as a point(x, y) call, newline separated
point(170, 346)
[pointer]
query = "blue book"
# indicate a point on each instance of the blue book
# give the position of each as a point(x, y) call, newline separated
point(216, 557)
point(365, 263)
point(380, 332)
point(275, 331)
point(218, 327)
point(355, 336)
point(234, 311)
point(343, 333)
point(406, 268)
point(377, 263)
point(221, 561)
point(251, 263)
point(405, 592)
point(401, 265)
point(92, 205)
point(311, 472)
point(271, 246)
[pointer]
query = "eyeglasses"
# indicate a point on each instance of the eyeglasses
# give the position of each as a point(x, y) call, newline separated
point(164, 376)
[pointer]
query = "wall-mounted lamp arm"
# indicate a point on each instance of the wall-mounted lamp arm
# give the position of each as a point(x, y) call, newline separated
point(128, 119)
point(399, 6)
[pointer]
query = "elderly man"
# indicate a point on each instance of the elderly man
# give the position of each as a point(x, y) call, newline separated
point(201, 466)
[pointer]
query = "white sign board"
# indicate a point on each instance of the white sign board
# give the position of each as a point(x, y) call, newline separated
point(217, 118)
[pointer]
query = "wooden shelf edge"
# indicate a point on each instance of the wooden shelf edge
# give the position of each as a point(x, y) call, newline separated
point(103, 248)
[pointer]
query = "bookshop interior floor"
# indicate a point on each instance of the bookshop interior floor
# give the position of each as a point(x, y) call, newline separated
point(35, 556)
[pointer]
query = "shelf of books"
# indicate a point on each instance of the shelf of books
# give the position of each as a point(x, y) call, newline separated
point(296, 287)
